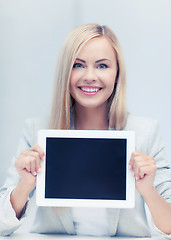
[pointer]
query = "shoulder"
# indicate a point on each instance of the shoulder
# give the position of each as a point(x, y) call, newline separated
point(37, 122)
point(147, 134)
point(32, 126)
point(137, 123)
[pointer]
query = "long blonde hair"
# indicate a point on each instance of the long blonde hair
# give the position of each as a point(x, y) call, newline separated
point(62, 101)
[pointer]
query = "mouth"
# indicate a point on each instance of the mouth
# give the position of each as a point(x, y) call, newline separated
point(90, 90)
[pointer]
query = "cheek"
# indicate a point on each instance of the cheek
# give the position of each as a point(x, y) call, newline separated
point(110, 81)
point(73, 83)
point(71, 89)
point(110, 90)
point(75, 76)
point(71, 78)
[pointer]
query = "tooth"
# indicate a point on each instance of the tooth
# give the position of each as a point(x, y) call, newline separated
point(90, 90)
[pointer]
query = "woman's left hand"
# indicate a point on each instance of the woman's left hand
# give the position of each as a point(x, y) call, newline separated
point(144, 170)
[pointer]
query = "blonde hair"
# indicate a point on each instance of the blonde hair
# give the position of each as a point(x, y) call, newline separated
point(62, 101)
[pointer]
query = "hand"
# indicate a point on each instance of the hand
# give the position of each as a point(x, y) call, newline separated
point(28, 164)
point(144, 170)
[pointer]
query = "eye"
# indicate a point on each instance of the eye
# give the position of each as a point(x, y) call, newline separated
point(78, 65)
point(102, 66)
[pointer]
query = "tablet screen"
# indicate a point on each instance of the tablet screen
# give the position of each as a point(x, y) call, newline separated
point(85, 168)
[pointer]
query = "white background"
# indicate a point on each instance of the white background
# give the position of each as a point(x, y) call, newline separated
point(31, 34)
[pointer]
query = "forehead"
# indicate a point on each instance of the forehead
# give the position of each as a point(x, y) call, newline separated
point(97, 47)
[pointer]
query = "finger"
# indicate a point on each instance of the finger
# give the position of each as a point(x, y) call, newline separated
point(33, 165)
point(139, 161)
point(142, 172)
point(37, 160)
point(38, 149)
point(147, 170)
point(136, 172)
point(142, 159)
point(131, 160)
point(26, 164)
point(28, 161)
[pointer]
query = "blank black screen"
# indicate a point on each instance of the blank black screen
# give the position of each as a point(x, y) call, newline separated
point(85, 168)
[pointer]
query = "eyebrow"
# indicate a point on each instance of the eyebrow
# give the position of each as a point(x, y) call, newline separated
point(100, 60)
point(81, 60)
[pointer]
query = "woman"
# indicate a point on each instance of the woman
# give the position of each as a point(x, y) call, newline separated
point(90, 94)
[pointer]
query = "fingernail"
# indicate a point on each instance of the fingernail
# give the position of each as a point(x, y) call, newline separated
point(136, 178)
point(35, 173)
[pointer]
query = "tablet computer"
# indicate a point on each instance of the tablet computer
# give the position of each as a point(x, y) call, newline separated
point(86, 168)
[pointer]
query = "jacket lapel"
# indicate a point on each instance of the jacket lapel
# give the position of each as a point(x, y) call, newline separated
point(67, 220)
point(113, 218)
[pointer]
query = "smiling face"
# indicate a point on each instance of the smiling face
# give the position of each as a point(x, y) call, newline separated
point(93, 75)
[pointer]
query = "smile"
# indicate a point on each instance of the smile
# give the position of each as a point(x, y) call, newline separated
point(90, 89)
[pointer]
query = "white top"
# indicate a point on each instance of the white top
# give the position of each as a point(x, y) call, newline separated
point(90, 221)
point(28, 236)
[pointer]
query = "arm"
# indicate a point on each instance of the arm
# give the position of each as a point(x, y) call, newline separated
point(144, 168)
point(13, 212)
point(160, 211)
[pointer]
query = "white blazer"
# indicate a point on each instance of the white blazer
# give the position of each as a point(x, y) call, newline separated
point(121, 222)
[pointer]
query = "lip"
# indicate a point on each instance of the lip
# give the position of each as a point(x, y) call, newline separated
point(90, 90)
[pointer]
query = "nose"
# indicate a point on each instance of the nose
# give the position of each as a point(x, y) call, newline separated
point(90, 75)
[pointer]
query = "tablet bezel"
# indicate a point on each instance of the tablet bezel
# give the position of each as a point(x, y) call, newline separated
point(57, 202)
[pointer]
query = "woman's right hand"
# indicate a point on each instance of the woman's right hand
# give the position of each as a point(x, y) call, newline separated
point(28, 164)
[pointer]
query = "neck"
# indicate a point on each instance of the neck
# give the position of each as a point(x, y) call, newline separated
point(91, 119)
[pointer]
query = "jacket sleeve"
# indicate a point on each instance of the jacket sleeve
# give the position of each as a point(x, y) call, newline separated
point(8, 221)
point(163, 174)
